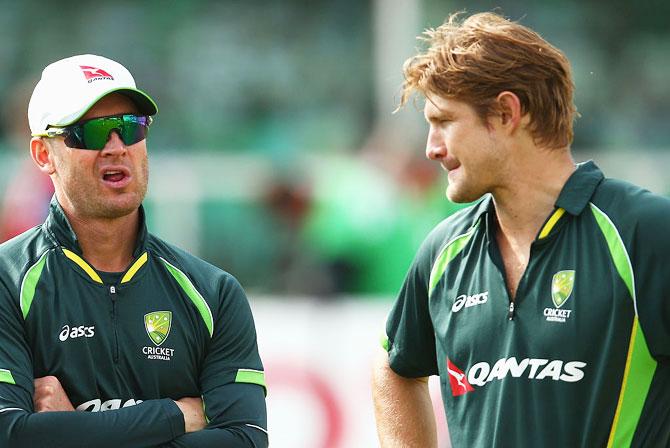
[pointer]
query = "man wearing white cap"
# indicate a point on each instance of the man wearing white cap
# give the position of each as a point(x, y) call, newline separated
point(97, 314)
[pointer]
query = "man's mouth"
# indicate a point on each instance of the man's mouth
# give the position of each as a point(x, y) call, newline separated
point(116, 177)
point(450, 166)
point(113, 176)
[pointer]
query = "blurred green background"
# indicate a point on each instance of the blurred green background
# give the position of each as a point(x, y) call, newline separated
point(275, 154)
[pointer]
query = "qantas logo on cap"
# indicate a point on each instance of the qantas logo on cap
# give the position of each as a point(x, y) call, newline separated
point(94, 73)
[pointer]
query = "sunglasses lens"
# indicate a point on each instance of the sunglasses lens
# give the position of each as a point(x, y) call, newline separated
point(94, 134)
point(134, 129)
point(74, 137)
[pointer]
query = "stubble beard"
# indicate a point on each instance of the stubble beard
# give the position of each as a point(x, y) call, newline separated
point(459, 197)
point(461, 193)
point(117, 209)
point(86, 205)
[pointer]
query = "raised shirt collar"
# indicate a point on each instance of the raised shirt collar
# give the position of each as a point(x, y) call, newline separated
point(60, 229)
point(580, 187)
point(573, 198)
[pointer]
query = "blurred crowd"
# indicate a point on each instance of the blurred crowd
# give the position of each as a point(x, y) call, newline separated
point(354, 225)
point(340, 224)
point(25, 199)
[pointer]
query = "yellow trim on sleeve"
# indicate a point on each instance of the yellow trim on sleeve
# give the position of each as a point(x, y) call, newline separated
point(82, 264)
point(135, 267)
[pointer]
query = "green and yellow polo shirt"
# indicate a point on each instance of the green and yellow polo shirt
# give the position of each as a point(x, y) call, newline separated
point(581, 358)
point(129, 343)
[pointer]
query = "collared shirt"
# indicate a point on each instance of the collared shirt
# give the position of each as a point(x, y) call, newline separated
point(581, 357)
point(170, 326)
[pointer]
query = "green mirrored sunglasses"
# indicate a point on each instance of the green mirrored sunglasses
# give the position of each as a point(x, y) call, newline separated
point(94, 133)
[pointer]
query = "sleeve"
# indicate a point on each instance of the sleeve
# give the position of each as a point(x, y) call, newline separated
point(409, 328)
point(15, 361)
point(232, 380)
point(150, 423)
point(651, 261)
point(246, 400)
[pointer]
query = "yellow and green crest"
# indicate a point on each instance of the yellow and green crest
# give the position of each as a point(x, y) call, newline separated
point(561, 287)
point(157, 324)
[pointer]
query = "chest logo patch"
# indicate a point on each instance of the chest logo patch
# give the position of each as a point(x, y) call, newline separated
point(158, 324)
point(562, 284)
point(561, 287)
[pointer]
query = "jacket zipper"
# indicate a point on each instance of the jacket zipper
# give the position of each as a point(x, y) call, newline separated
point(510, 314)
point(112, 293)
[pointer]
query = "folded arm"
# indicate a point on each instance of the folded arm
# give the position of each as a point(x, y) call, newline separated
point(236, 414)
point(152, 422)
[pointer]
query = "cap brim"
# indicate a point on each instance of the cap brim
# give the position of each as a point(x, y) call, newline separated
point(144, 103)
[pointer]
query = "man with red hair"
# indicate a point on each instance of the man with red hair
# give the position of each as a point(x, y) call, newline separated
point(543, 307)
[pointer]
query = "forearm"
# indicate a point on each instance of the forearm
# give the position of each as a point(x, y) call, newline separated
point(237, 437)
point(237, 416)
point(153, 422)
point(237, 419)
point(403, 409)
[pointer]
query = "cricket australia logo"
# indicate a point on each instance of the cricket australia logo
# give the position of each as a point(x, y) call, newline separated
point(158, 325)
point(562, 285)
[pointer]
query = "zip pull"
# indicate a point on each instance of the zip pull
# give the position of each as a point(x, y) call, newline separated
point(510, 315)
point(112, 289)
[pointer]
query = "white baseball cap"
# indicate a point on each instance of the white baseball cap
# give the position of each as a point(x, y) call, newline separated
point(71, 86)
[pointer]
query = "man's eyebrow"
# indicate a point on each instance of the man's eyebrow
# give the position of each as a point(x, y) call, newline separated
point(439, 114)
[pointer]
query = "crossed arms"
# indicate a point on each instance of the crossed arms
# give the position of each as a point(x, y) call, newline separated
point(163, 422)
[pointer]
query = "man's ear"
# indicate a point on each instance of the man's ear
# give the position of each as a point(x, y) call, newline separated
point(42, 154)
point(509, 107)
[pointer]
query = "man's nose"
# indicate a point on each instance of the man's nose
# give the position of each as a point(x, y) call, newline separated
point(114, 143)
point(436, 148)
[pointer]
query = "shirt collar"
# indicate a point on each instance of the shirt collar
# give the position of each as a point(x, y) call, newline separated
point(60, 229)
point(485, 206)
point(574, 196)
point(580, 187)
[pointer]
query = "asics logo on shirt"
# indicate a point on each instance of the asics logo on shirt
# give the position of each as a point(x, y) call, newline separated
point(74, 332)
point(466, 301)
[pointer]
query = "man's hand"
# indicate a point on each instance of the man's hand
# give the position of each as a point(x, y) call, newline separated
point(194, 414)
point(50, 396)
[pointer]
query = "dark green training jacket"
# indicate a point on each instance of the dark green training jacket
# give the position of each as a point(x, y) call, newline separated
point(171, 326)
point(581, 357)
